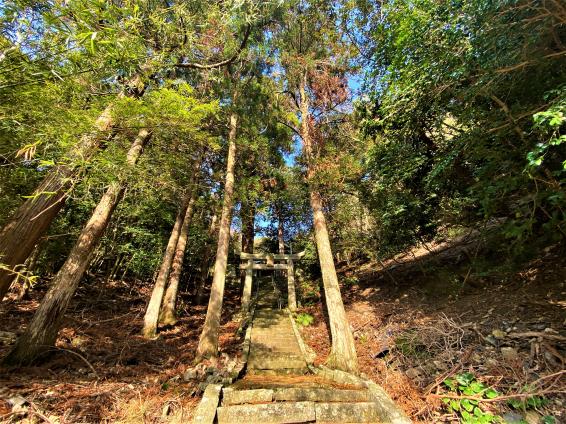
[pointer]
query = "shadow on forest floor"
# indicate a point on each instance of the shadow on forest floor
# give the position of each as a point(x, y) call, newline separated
point(429, 315)
point(102, 370)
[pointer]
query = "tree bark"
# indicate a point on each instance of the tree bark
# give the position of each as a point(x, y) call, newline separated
point(167, 316)
point(343, 352)
point(208, 343)
point(151, 317)
point(205, 263)
point(248, 230)
point(248, 234)
point(280, 234)
point(42, 332)
point(32, 219)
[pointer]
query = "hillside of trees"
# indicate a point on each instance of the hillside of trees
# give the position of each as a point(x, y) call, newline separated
point(414, 150)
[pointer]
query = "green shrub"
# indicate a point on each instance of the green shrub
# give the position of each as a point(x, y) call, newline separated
point(304, 319)
point(468, 410)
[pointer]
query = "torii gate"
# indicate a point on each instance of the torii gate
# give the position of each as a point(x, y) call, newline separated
point(267, 261)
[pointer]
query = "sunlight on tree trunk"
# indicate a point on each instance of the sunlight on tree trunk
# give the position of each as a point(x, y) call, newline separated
point(42, 332)
point(205, 262)
point(247, 215)
point(343, 352)
point(167, 315)
point(151, 317)
point(208, 343)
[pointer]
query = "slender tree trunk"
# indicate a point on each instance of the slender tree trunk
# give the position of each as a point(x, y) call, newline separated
point(205, 263)
point(343, 352)
point(248, 230)
point(42, 331)
point(167, 316)
point(280, 236)
point(208, 343)
point(32, 219)
point(248, 234)
point(280, 233)
point(151, 317)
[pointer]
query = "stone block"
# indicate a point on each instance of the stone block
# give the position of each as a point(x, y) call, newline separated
point(238, 397)
point(320, 395)
point(206, 410)
point(360, 412)
point(267, 413)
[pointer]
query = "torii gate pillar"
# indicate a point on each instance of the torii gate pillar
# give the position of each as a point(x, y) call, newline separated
point(291, 295)
point(247, 293)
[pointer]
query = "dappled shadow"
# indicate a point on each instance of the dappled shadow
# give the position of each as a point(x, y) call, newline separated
point(100, 353)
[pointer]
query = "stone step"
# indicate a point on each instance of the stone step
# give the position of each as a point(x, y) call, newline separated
point(296, 394)
point(296, 412)
point(285, 372)
point(358, 412)
point(263, 360)
point(299, 412)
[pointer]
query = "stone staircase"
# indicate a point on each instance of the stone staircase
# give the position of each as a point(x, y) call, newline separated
point(280, 387)
point(287, 399)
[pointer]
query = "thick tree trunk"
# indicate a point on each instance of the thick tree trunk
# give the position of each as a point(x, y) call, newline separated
point(167, 316)
point(208, 343)
point(42, 332)
point(32, 219)
point(205, 263)
point(343, 352)
point(151, 317)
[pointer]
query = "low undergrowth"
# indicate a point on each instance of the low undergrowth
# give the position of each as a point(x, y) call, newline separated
point(486, 347)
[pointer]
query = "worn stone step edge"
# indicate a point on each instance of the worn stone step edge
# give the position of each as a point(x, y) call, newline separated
point(388, 410)
point(296, 412)
point(300, 412)
point(294, 394)
point(283, 362)
point(206, 409)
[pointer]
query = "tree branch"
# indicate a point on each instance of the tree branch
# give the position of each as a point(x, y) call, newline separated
point(223, 62)
point(296, 131)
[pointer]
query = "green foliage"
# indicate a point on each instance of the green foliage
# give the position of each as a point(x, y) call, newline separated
point(468, 409)
point(350, 280)
point(304, 319)
point(453, 90)
point(529, 402)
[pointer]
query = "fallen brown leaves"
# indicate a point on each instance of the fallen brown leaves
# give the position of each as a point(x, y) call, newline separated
point(102, 370)
point(414, 327)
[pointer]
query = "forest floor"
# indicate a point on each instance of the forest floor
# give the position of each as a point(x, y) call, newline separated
point(429, 315)
point(418, 319)
point(102, 369)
